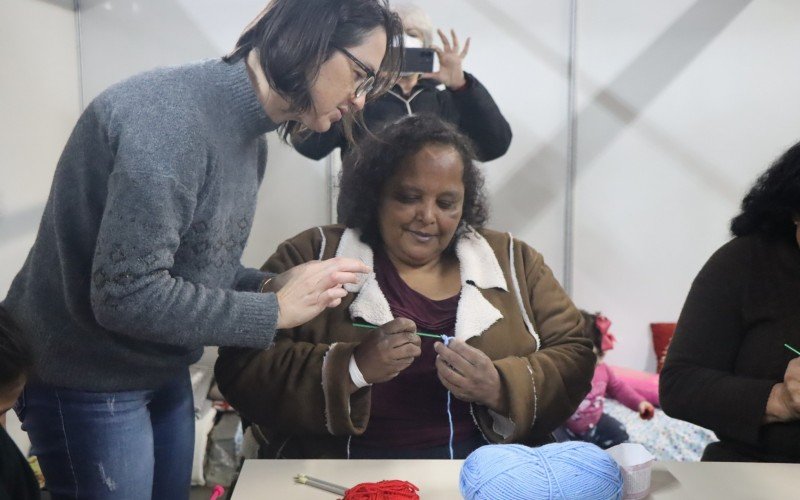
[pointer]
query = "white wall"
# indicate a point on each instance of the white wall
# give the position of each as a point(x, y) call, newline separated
point(682, 105)
point(38, 107)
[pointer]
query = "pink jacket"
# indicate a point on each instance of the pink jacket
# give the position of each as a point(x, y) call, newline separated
point(604, 383)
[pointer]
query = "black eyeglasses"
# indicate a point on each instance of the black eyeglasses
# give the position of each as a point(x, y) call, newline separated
point(367, 84)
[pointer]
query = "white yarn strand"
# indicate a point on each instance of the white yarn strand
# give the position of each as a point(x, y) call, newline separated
point(324, 243)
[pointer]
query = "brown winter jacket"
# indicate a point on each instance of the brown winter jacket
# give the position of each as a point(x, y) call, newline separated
point(296, 391)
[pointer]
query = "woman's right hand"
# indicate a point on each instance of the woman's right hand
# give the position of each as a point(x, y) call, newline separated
point(387, 350)
point(783, 404)
point(646, 410)
point(306, 290)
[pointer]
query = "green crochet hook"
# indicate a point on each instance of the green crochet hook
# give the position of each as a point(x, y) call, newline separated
point(421, 334)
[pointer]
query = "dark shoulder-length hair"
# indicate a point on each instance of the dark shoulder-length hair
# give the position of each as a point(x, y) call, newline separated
point(16, 359)
point(590, 329)
point(295, 37)
point(366, 171)
point(773, 201)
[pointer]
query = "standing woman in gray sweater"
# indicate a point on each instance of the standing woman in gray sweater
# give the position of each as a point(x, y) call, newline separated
point(136, 265)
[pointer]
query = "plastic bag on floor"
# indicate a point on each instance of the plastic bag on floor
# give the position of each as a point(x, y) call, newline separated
point(224, 450)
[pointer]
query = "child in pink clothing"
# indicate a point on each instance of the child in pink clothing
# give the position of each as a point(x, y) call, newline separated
point(589, 423)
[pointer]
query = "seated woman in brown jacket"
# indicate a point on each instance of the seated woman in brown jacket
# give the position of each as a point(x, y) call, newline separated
point(413, 209)
point(727, 368)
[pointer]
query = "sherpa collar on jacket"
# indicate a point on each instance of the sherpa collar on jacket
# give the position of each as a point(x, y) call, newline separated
point(479, 270)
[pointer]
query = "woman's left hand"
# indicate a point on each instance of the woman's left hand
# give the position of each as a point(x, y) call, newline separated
point(451, 56)
point(470, 375)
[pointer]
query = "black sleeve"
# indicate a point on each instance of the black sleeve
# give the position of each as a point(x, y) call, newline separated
point(478, 116)
point(698, 383)
point(17, 481)
point(318, 145)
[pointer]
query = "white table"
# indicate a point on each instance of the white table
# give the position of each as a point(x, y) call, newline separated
point(438, 479)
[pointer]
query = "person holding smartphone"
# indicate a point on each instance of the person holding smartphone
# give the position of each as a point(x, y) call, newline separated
point(449, 92)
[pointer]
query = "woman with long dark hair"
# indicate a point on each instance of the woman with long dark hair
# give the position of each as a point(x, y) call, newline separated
point(728, 367)
point(136, 265)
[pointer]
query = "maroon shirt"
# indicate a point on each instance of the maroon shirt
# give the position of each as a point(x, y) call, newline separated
point(410, 411)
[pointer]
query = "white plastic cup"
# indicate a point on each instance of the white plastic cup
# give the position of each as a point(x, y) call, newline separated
point(636, 481)
point(636, 464)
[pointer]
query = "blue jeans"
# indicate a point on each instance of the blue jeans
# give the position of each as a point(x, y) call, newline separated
point(121, 445)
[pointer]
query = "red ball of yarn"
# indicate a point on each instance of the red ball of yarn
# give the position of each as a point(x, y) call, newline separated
point(383, 490)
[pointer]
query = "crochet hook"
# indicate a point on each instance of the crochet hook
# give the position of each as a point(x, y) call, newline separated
point(320, 484)
point(421, 334)
point(792, 349)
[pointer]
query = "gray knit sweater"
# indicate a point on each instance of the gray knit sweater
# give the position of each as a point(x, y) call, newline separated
point(136, 264)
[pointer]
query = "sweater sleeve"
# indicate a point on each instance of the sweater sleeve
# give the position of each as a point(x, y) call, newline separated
point(622, 392)
point(150, 200)
point(697, 382)
point(478, 116)
point(299, 385)
point(294, 387)
point(545, 387)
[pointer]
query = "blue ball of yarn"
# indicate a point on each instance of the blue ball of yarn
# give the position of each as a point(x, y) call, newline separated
point(569, 471)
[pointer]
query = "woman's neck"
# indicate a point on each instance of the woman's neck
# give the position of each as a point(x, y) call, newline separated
point(407, 84)
point(275, 106)
point(438, 279)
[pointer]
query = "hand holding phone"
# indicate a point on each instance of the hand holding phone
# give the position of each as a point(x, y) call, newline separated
point(451, 56)
point(417, 60)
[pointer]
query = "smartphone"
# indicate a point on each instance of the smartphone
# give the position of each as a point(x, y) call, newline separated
point(417, 60)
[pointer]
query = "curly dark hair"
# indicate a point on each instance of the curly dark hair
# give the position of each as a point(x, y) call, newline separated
point(366, 170)
point(773, 201)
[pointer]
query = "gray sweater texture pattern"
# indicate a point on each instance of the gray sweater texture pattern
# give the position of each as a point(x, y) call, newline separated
point(136, 264)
